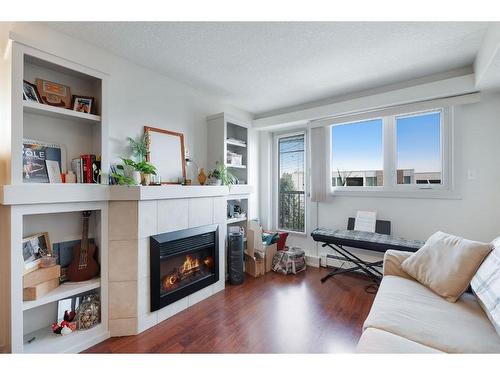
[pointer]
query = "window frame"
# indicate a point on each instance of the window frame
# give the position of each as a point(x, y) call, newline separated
point(276, 176)
point(389, 146)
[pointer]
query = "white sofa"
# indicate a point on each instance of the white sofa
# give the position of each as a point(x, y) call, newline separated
point(407, 317)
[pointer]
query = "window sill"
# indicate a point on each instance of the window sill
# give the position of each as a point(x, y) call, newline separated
point(408, 194)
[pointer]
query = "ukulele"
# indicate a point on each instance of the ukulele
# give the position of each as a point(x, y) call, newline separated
point(84, 266)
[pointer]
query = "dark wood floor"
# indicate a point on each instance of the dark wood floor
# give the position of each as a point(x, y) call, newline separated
point(271, 314)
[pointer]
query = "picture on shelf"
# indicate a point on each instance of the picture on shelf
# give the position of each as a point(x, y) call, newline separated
point(35, 155)
point(83, 104)
point(34, 247)
point(30, 92)
point(54, 93)
point(53, 171)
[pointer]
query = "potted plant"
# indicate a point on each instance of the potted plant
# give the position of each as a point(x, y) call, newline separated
point(139, 171)
point(220, 176)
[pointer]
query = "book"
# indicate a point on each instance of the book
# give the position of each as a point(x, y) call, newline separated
point(35, 155)
point(365, 221)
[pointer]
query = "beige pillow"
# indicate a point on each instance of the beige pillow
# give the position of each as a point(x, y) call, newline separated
point(446, 264)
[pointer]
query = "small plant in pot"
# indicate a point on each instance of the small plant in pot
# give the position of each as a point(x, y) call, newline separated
point(220, 176)
point(139, 171)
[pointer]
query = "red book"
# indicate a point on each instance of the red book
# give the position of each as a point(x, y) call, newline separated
point(88, 162)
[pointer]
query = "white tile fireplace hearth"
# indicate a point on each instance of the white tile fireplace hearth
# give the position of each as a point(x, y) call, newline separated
point(134, 216)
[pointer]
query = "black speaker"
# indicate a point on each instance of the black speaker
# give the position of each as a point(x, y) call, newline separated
point(235, 259)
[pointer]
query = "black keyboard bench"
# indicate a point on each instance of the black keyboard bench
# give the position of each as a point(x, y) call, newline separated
point(380, 241)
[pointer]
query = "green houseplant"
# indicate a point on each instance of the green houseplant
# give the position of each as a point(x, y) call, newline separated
point(130, 167)
point(221, 176)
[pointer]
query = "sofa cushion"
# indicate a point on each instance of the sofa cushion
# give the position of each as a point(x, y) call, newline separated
point(486, 285)
point(375, 341)
point(409, 309)
point(446, 264)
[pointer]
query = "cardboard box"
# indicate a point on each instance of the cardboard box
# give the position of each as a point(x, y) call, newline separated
point(34, 292)
point(270, 251)
point(254, 267)
point(41, 275)
point(255, 244)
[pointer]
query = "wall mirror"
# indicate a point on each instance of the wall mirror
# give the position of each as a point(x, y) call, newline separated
point(166, 153)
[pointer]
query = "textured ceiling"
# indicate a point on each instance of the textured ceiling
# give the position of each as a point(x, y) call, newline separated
point(262, 67)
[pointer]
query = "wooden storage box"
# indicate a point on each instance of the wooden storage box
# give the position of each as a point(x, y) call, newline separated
point(34, 292)
point(41, 275)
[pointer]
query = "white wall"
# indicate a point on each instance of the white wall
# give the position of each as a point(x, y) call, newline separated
point(476, 215)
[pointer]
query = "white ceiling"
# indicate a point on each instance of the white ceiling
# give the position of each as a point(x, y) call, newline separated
point(262, 67)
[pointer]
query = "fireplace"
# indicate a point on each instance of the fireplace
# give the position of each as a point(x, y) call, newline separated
point(182, 263)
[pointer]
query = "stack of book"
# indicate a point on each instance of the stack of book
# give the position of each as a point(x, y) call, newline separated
point(39, 282)
point(86, 169)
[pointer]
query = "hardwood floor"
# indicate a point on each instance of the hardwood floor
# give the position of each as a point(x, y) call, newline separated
point(271, 314)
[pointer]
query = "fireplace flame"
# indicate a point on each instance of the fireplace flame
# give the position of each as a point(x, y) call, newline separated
point(191, 266)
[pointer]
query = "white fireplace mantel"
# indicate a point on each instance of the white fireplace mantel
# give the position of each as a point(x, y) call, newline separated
point(69, 193)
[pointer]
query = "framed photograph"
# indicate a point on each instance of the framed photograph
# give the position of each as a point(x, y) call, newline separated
point(83, 103)
point(53, 171)
point(53, 93)
point(35, 155)
point(34, 247)
point(30, 92)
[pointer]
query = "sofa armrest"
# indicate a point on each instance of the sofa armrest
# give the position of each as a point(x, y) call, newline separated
point(392, 263)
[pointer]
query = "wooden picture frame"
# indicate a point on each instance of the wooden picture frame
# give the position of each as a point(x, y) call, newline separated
point(76, 100)
point(34, 247)
point(30, 92)
point(170, 169)
point(53, 93)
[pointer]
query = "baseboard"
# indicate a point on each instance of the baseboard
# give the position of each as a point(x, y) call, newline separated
point(313, 261)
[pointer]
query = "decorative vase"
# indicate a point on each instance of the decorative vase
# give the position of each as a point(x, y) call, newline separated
point(145, 179)
point(136, 176)
point(202, 177)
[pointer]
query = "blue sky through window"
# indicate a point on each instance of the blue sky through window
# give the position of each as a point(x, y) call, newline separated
point(419, 142)
point(359, 146)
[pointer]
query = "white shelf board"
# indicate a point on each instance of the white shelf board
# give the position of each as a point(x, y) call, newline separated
point(58, 112)
point(63, 291)
point(238, 144)
point(236, 220)
point(48, 342)
point(34, 193)
point(236, 166)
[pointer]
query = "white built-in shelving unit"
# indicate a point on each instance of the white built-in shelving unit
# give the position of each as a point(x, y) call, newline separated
point(229, 134)
point(28, 208)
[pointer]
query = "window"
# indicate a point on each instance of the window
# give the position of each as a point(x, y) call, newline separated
point(418, 141)
point(291, 184)
point(395, 152)
point(357, 154)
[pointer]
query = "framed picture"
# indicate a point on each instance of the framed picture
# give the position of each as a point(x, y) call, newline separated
point(34, 247)
point(54, 93)
point(166, 153)
point(53, 171)
point(35, 155)
point(30, 92)
point(83, 103)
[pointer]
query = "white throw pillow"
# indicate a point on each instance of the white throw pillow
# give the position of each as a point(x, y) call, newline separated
point(446, 264)
point(486, 285)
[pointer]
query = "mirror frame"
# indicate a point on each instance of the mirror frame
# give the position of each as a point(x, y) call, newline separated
point(148, 129)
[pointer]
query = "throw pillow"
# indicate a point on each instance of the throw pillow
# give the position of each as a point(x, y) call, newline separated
point(486, 285)
point(446, 264)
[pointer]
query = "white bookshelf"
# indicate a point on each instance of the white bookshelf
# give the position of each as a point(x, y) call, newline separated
point(27, 208)
point(47, 342)
point(64, 291)
point(60, 113)
point(236, 220)
point(228, 134)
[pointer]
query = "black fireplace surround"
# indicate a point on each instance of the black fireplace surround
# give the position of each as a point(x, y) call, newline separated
point(182, 263)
